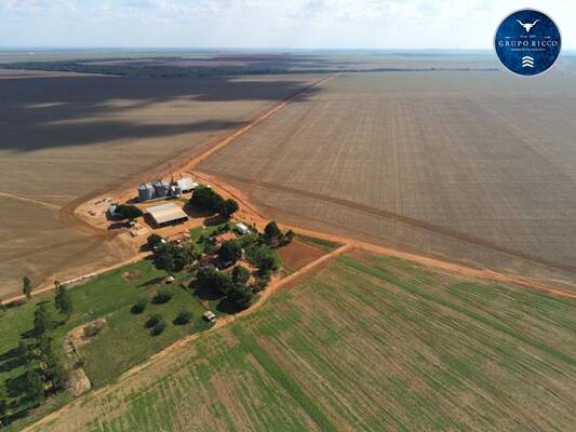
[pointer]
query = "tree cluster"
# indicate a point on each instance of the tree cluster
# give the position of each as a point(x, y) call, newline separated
point(221, 284)
point(274, 237)
point(205, 199)
point(129, 211)
point(52, 374)
point(264, 258)
point(172, 257)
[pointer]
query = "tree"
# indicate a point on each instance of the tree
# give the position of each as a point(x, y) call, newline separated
point(273, 236)
point(129, 211)
point(204, 198)
point(264, 258)
point(158, 328)
point(289, 236)
point(34, 384)
point(240, 274)
point(230, 251)
point(183, 318)
point(154, 240)
point(172, 257)
point(42, 320)
point(163, 296)
point(223, 283)
point(242, 296)
point(63, 301)
point(58, 375)
point(211, 280)
point(153, 320)
point(3, 403)
point(139, 307)
point(227, 208)
point(27, 287)
point(24, 352)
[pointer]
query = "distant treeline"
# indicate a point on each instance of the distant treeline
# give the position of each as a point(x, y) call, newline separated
point(199, 71)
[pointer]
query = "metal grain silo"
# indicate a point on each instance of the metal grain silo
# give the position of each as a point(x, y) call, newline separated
point(145, 192)
point(162, 188)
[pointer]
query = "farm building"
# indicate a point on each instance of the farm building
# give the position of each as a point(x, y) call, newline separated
point(186, 184)
point(166, 214)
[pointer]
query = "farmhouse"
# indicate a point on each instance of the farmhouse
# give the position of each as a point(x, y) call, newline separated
point(166, 214)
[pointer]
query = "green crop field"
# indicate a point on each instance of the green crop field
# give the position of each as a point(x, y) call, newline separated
point(367, 343)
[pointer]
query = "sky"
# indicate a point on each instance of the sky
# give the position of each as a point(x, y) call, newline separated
point(248, 24)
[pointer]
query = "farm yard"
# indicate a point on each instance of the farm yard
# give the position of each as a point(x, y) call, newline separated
point(472, 166)
point(367, 343)
point(66, 139)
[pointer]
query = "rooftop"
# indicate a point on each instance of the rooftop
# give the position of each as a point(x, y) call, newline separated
point(166, 213)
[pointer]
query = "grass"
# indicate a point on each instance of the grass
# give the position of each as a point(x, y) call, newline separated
point(122, 345)
point(367, 343)
point(199, 235)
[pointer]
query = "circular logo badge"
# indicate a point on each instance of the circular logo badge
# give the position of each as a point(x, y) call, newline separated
point(527, 42)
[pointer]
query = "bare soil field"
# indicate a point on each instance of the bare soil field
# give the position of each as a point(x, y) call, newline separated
point(65, 139)
point(367, 343)
point(478, 167)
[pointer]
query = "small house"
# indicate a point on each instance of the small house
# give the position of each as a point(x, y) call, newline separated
point(242, 229)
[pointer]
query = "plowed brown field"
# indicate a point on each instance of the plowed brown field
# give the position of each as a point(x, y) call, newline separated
point(478, 167)
point(63, 139)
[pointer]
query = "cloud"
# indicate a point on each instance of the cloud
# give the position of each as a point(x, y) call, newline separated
point(264, 23)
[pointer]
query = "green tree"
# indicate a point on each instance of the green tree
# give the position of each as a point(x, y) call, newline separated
point(204, 198)
point(264, 258)
point(242, 296)
point(27, 287)
point(183, 318)
point(139, 307)
point(240, 274)
point(24, 352)
point(129, 211)
point(159, 328)
point(154, 240)
point(273, 235)
point(163, 296)
point(227, 208)
point(58, 374)
point(230, 251)
point(3, 403)
point(34, 384)
point(63, 301)
point(153, 320)
point(172, 257)
point(42, 320)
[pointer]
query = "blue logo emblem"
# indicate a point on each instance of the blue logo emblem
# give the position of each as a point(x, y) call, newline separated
point(527, 42)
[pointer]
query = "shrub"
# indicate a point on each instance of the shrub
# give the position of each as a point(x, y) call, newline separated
point(153, 320)
point(183, 318)
point(139, 307)
point(163, 296)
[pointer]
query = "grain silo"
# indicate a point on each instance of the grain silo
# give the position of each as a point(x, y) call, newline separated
point(162, 188)
point(145, 192)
